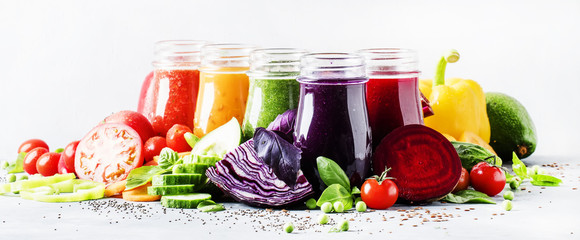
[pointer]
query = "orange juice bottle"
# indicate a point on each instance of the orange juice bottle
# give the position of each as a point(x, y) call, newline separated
point(223, 86)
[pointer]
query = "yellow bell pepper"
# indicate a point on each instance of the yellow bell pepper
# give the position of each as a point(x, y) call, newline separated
point(458, 104)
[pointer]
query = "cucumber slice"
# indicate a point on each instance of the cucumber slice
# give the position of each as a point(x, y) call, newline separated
point(190, 168)
point(170, 189)
point(220, 141)
point(34, 182)
point(177, 179)
point(5, 188)
point(184, 201)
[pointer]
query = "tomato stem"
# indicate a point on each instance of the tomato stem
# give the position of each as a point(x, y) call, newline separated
point(383, 176)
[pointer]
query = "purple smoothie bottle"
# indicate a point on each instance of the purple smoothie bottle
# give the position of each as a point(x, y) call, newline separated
point(332, 119)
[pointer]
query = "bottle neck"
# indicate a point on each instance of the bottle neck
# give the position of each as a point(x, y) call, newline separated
point(231, 58)
point(391, 62)
point(182, 54)
point(332, 68)
point(275, 63)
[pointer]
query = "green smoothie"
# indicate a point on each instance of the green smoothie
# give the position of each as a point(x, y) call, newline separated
point(269, 97)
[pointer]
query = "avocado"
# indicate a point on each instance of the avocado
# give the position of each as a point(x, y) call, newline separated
point(512, 128)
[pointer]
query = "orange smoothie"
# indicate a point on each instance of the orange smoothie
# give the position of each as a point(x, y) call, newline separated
point(223, 94)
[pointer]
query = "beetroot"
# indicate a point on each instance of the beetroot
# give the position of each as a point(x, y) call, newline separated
point(423, 162)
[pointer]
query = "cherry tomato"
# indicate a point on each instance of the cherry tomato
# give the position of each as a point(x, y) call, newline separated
point(175, 139)
point(68, 156)
point(29, 162)
point(134, 120)
point(108, 153)
point(463, 182)
point(153, 147)
point(47, 164)
point(62, 166)
point(487, 179)
point(379, 195)
point(30, 144)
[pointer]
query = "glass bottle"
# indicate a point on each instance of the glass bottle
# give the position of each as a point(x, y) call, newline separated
point(332, 118)
point(169, 94)
point(223, 86)
point(393, 96)
point(273, 86)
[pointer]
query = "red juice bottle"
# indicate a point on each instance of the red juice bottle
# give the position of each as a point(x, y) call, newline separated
point(393, 96)
point(169, 96)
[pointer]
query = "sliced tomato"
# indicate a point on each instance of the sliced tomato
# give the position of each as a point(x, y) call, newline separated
point(108, 153)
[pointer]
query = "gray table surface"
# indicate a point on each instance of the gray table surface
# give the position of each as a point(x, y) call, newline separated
point(538, 213)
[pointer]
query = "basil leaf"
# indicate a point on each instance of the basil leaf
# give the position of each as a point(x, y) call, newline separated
point(18, 165)
point(336, 193)
point(471, 154)
point(468, 196)
point(141, 176)
point(167, 158)
point(355, 191)
point(545, 180)
point(331, 173)
point(283, 157)
point(519, 167)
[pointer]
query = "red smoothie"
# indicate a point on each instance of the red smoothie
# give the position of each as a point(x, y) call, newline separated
point(393, 96)
point(392, 103)
point(173, 99)
point(169, 93)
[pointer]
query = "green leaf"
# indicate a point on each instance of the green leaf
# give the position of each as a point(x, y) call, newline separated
point(168, 158)
point(508, 177)
point(210, 206)
point(18, 165)
point(519, 167)
point(141, 176)
point(545, 180)
point(336, 193)
point(471, 154)
point(468, 196)
point(331, 173)
point(355, 190)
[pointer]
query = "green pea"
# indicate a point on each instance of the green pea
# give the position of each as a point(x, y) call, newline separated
point(361, 206)
point(507, 205)
point(515, 183)
point(22, 177)
point(311, 203)
point(11, 178)
point(289, 227)
point(326, 207)
point(323, 218)
point(344, 225)
point(4, 164)
point(508, 195)
point(338, 207)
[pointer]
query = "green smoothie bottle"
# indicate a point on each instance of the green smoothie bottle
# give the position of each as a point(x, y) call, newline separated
point(273, 86)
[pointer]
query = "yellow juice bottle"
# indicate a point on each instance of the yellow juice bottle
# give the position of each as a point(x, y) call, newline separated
point(223, 86)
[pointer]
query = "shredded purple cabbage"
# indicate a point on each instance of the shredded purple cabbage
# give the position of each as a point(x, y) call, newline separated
point(246, 178)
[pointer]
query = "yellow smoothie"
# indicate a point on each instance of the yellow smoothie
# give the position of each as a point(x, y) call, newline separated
point(223, 94)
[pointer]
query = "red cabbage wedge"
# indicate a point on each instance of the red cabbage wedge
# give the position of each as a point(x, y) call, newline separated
point(247, 178)
point(423, 162)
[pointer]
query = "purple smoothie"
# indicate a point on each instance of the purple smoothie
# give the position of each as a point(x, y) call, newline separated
point(332, 121)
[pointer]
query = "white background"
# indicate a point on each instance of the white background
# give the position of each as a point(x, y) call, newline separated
point(65, 65)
